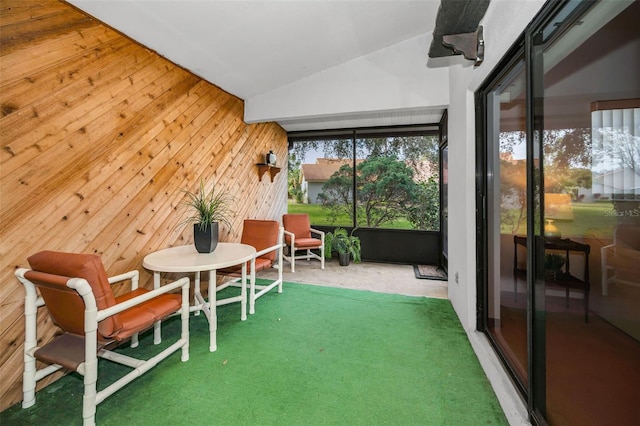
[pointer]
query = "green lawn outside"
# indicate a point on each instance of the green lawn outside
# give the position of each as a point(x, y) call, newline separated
point(318, 216)
point(589, 219)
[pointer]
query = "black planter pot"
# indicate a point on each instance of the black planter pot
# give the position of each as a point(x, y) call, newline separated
point(344, 258)
point(205, 238)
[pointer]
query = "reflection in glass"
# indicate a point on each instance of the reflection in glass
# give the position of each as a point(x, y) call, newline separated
point(590, 177)
point(507, 214)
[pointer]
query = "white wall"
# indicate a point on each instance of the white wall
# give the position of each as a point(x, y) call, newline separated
point(503, 23)
point(398, 74)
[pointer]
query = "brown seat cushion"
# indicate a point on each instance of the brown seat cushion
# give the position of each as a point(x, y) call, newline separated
point(89, 267)
point(143, 316)
point(298, 224)
point(236, 270)
point(308, 243)
point(260, 234)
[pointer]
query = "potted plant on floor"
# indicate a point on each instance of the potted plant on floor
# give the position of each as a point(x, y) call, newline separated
point(553, 265)
point(346, 245)
point(206, 211)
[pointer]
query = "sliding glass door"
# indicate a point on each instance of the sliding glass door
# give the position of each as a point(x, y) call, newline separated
point(560, 213)
point(506, 205)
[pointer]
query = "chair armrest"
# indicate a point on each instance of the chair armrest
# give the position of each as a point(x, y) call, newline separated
point(628, 255)
point(134, 276)
point(290, 234)
point(316, 231)
point(604, 248)
point(105, 313)
point(268, 249)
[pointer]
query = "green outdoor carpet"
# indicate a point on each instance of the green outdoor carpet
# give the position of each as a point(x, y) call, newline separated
point(309, 356)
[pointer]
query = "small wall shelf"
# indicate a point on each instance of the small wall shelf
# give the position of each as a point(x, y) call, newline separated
point(262, 168)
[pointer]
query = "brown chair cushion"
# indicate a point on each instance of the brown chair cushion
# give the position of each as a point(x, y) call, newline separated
point(628, 236)
point(298, 224)
point(261, 234)
point(65, 307)
point(308, 243)
point(89, 267)
point(236, 270)
point(143, 316)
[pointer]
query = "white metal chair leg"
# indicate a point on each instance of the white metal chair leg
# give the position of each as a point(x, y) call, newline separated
point(243, 289)
point(280, 266)
point(30, 341)
point(252, 290)
point(184, 316)
point(322, 252)
point(90, 364)
point(213, 315)
point(293, 254)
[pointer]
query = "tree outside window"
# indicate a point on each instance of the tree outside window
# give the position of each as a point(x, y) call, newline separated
point(396, 181)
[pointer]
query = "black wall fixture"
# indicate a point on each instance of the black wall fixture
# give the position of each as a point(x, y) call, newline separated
point(457, 30)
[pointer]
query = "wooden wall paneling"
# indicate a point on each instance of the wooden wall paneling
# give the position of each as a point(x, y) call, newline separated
point(83, 121)
point(170, 170)
point(79, 148)
point(67, 211)
point(81, 78)
point(239, 168)
point(177, 179)
point(99, 138)
point(12, 35)
point(144, 201)
point(53, 51)
point(19, 11)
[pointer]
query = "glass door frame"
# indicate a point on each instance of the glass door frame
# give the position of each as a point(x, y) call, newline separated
point(534, 392)
point(505, 67)
point(444, 196)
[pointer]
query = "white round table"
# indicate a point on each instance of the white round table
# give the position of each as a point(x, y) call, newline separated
point(187, 259)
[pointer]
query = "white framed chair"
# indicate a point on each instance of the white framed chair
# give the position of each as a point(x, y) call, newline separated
point(266, 236)
point(298, 237)
point(77, 293)
point(620, 261)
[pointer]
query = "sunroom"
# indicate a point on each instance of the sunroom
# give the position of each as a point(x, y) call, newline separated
point(111, 109)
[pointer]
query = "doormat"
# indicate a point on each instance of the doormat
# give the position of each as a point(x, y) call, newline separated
point(429, 272)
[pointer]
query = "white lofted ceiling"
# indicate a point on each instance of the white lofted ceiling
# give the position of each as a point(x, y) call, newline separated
point(275, 53)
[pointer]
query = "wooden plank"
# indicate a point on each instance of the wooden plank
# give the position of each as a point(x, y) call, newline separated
point(36, 181)
point(64, 173)
point(92, 222)
point(13, 11)
point(102, 170)
point(38, 27)
point(51, 52)
point(97, 67)
point(72, 117)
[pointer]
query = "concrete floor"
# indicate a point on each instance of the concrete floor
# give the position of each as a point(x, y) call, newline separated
point(378, 277)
